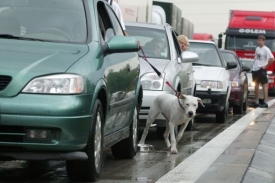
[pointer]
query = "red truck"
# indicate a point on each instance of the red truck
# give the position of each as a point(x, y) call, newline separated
point(203, 36)
point(241, 35)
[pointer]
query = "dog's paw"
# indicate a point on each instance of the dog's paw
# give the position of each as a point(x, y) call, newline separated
point(174, 151)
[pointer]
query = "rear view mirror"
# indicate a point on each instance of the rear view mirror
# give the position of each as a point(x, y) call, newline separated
point(220, 41)
point(246, 68)
point(231, 65)
point(188, 56)
point(120, 44)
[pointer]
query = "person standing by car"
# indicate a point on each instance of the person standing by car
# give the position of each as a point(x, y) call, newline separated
point(184, 42)
point(118, 12)
point(263, 58)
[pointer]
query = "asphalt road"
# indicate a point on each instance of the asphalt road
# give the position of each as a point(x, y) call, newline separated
point(145, 167)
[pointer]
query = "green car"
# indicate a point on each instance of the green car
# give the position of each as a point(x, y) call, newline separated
point(69, 85)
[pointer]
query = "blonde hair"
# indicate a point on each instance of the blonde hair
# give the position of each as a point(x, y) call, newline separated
point(185, 39)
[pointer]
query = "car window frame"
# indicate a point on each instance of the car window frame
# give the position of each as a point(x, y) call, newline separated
point(176, 42)
point(107, 23)
point(111, 13)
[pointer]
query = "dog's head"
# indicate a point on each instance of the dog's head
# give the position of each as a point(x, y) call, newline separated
point(190, 104)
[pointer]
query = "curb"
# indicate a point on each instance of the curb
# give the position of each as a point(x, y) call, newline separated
point(195, 165)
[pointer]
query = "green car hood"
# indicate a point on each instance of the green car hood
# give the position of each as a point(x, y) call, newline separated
point(25, 60)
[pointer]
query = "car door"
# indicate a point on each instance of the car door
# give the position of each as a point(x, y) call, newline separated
point(185, 69)
point(132, 71)
point(118, 71)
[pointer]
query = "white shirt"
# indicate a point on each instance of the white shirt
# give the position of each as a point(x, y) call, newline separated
point(262, 55)
point(118, 12)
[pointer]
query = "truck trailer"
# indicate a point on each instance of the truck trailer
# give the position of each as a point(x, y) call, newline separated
point(173, 17)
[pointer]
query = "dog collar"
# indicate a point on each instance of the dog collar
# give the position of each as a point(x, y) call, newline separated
point(180, 104)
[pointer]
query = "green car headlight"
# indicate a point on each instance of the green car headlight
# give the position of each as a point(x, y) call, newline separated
point(56, 84)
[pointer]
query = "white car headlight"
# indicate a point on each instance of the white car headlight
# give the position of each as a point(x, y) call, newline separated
point(56, 84)
point(151, 81)
point(211, 84)
point(234, 84)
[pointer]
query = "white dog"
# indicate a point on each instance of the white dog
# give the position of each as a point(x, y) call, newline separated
point(176, 111)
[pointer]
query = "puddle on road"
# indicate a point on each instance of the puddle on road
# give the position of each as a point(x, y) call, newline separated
point(145, 147)
point(144, 179)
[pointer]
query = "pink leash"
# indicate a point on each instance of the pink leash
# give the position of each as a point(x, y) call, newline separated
point(158, 73)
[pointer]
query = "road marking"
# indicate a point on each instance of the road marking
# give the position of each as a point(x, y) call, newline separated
point(195, 165)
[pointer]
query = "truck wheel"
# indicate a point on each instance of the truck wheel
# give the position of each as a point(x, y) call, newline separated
point(127, 148)
point(89, 170)
point(221, 117)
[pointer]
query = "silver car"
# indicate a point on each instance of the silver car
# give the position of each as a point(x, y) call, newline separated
point(162, 49)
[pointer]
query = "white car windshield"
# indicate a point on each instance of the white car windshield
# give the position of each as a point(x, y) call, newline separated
point(44, 20)
point(208, 54)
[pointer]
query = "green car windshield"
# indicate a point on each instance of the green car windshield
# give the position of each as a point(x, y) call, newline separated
point(44, 20)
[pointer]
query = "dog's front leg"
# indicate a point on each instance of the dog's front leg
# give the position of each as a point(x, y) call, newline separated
point(182, 129)
point(172, 139)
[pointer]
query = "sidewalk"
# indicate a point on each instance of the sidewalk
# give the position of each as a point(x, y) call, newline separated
point(244, 152)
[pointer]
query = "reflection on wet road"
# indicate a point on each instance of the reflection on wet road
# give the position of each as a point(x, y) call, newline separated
point(145, 167)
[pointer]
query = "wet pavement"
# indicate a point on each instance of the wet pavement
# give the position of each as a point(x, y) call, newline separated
point(145, 167)
point(244, 152)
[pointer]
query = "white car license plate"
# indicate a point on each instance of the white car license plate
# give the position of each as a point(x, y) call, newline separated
point(271, 80)
point(206, 101)
point(251, 93)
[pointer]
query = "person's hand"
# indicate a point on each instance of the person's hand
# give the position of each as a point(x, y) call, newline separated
point(264, 67)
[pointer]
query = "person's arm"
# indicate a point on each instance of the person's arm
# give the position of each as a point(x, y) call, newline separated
point(270, 58)
point(120, 17)
point(270, 61)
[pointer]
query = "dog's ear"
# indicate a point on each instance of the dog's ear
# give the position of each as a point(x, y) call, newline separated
point(181, 96)
point(200, 101)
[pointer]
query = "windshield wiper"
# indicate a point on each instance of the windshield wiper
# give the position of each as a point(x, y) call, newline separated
point(10, 36)
point(201, 64)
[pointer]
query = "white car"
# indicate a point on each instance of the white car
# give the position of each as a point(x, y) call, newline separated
point(212, 79)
